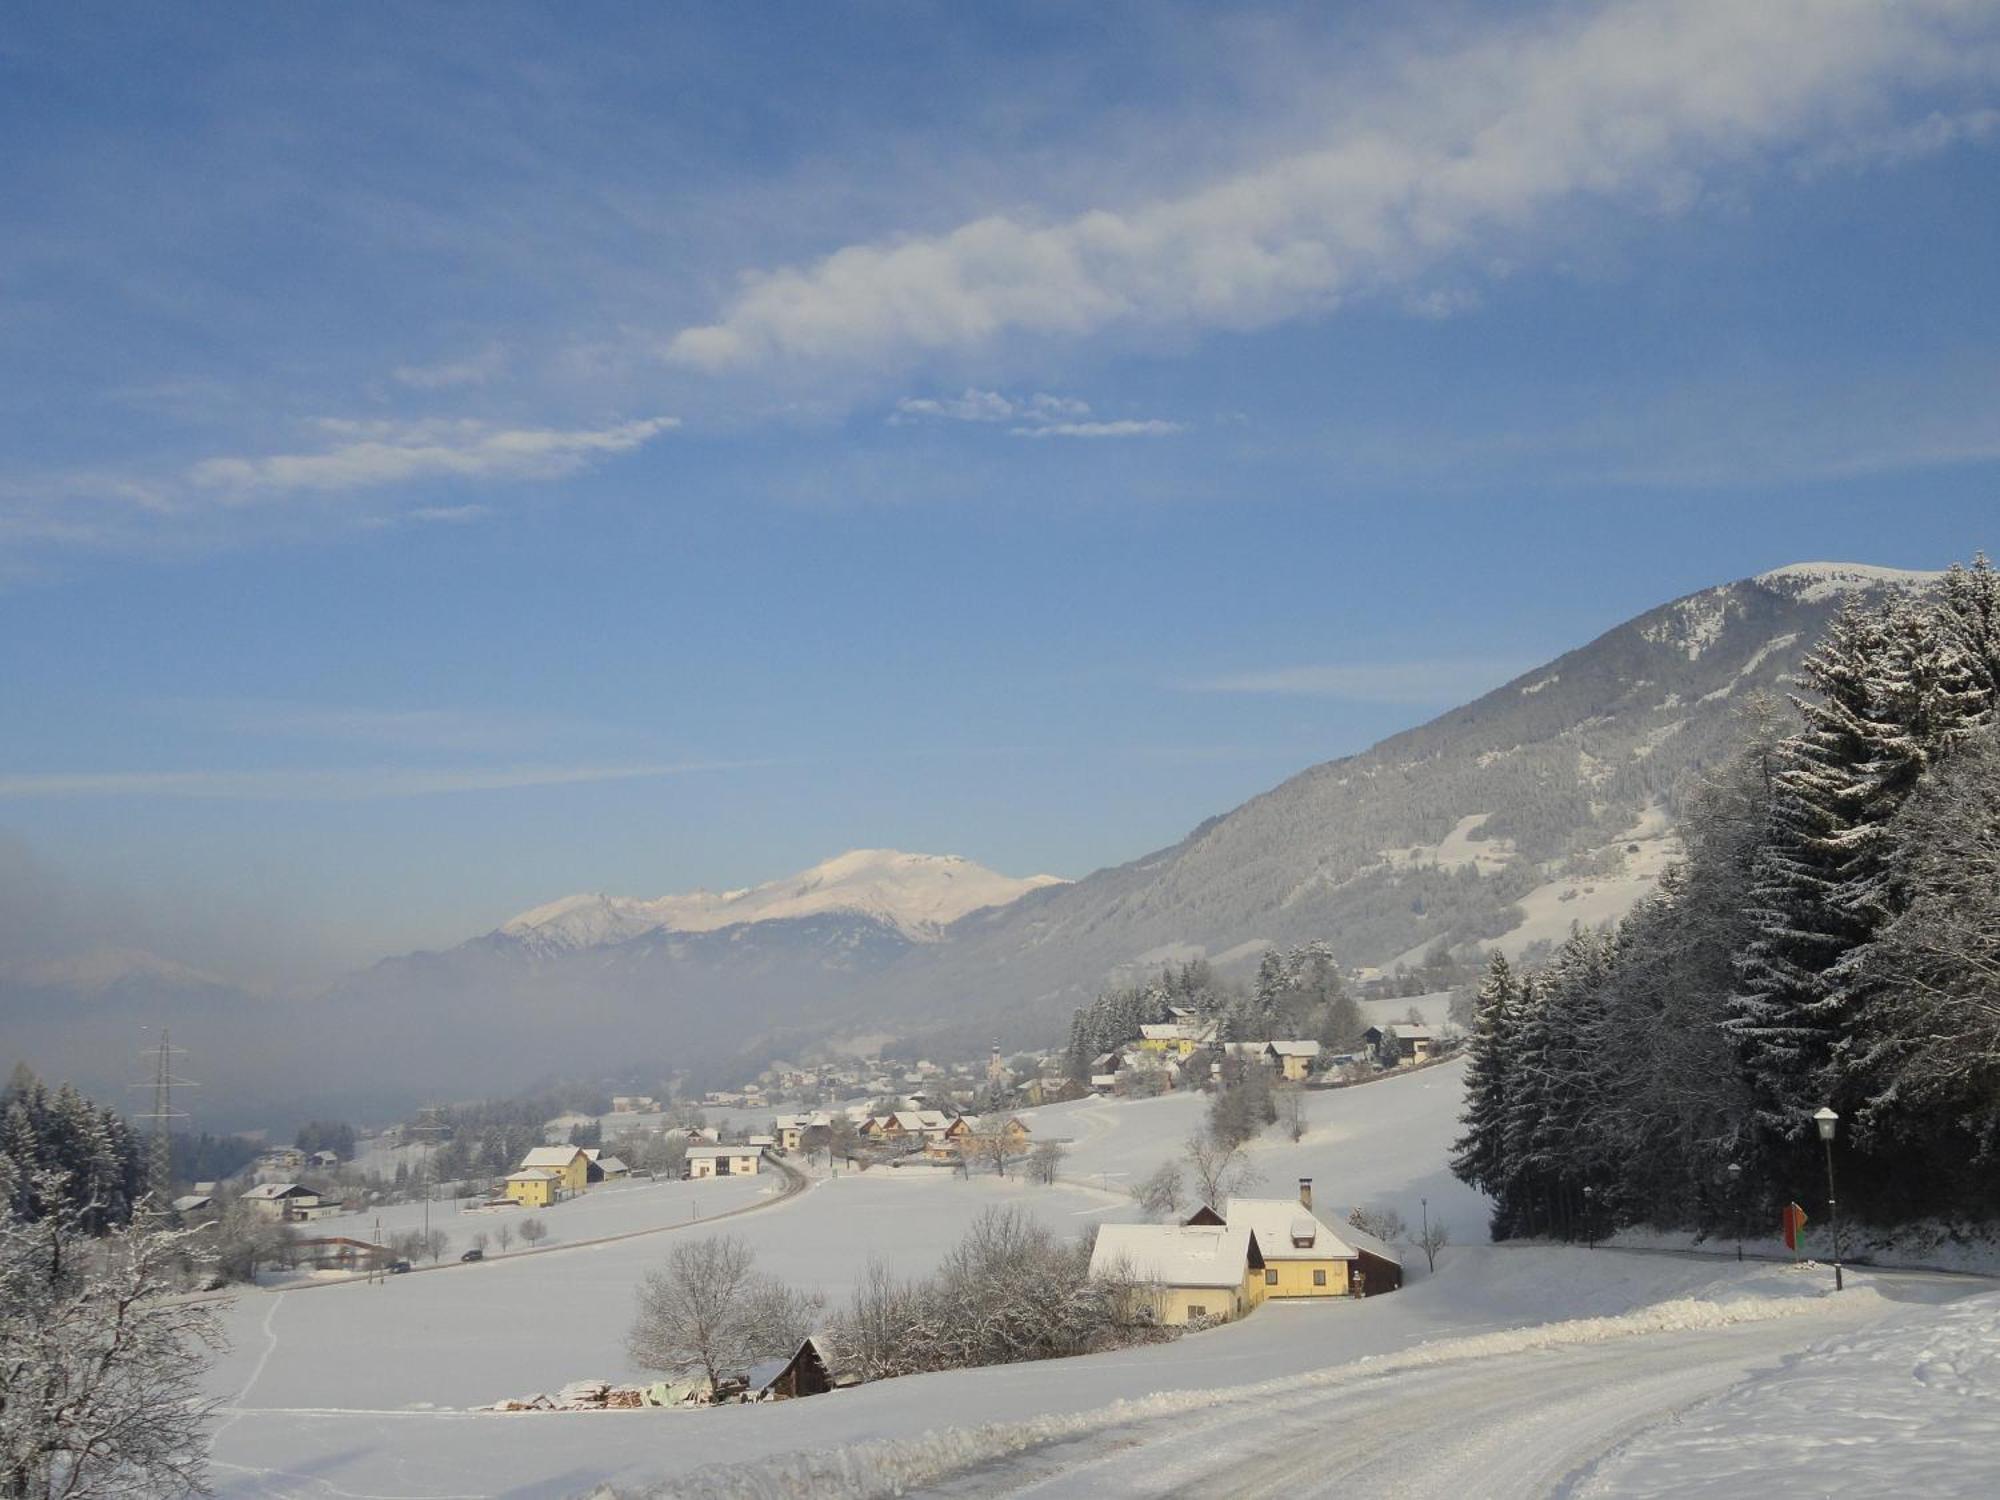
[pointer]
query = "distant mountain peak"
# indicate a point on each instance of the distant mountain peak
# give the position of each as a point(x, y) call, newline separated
point(1810, 582)
point(918, 895)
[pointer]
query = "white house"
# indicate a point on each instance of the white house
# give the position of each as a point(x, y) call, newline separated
point(724, 1161)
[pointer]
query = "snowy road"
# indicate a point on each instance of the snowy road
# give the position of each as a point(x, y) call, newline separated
point(1472, 1420)
point(1524, 1425)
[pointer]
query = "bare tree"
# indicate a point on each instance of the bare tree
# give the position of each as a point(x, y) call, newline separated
point(1384, 1223)
point(436, 1242)
point(707, 1309)
point(990, 1150)
point(1433, 1239)
point(503, 1236)
point(1219, 1168)
point(1162, 1192)
point(1045, 1162)
point(1292, 1112)
point(480, 1241)
point(100, 1364)
point(533, 1232)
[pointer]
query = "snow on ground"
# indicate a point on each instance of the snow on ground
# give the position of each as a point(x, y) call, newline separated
point(1302, 1399)
point(608, 1209)
point(1382, 1143)
point(1909, 1407)
point(1539, 1356)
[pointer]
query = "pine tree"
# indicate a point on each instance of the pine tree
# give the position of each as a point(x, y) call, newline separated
point(1479, 1156)
point(1786, 1017)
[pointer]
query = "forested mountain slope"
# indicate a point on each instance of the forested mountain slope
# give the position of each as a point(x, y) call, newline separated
point(1551, 797)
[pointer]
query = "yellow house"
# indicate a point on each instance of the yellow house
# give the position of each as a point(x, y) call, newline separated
point(1176, 1038)
point(1191, 1273)
point(531, 1187)
point(569, 1163)
point(1302, 1255)
point(1295, 1058)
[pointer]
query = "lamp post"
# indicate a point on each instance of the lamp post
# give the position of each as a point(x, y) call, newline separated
point(1589, 1224)
point(1735, 1171)
point(1828, 1122)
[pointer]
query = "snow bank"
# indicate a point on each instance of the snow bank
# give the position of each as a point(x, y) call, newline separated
point(862, 1471)
point(1930, 1245)
point(1910, 1407)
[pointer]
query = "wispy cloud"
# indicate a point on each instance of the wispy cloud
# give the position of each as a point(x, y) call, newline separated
point(990, 406)
point(1444, 680)
point(396, 728)
point(367, 454)
point(450, 515)
point(1152, 427)
point(1631, 101)
point(1038, 416)
point(332, 785)
point(488, 364)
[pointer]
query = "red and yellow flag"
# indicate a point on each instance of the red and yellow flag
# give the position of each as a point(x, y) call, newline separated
point(1793, 1221)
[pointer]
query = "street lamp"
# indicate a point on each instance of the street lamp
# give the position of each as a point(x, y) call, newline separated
point(1735, 1170)
point(1589, 1224)
point(1828, 1121)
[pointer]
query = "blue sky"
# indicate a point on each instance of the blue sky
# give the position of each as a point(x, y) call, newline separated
point(454, 463)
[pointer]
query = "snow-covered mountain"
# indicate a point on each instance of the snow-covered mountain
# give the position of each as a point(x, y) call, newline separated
point(1551, 800)
point(917, 896)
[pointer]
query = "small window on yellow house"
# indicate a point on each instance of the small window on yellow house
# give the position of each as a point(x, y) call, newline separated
point(1271, 1277)
point(1319, 1278)
point(1196, 1310)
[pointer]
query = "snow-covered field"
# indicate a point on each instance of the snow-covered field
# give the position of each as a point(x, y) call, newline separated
point(1380, 1143)
point(1475, 1380)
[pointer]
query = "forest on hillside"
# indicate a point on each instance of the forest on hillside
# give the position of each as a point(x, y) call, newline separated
point(1831, 940)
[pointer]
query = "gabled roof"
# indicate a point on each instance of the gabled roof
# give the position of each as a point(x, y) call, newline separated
point(1412, 1029)
point(1301, 1048)
point(1280, 1223)
point(532, 1174)
point(552, 1156)
point(610, 1164)
point(716, 1153)
point(266, 1192)
point(1367, 1244)
point(1173, 1254)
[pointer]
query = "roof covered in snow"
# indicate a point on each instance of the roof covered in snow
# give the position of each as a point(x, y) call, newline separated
point(1280, 1224)
point(1173, 1254)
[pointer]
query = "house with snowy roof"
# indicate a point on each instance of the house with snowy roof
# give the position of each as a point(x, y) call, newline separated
point(532, 1187)
point(1304, 1256)
point(288, 1202)
point(571, 1164)
point(1189, 1273)
point(1178, 1038)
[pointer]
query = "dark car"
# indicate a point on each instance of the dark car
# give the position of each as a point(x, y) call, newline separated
point(399, 1267)
point(471, 1255)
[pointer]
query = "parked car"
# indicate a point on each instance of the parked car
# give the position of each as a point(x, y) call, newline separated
point(472, 1255)
point(399, 1268)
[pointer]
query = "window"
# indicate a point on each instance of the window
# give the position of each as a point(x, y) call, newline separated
point(1319, 1278)
point(1271, 1277)
point(1196, 1310)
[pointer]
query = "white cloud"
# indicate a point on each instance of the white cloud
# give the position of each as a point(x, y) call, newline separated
point(1937, 131)
point(1631, 101)
point(1151, 427)
point(1038, 416)
point(450, 515)
point(373, 453)
point(357, 785)
point(991, 406)
point(476, 369)
point(1437, 681)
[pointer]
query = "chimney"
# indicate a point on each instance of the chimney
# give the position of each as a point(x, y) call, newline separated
point(1306, 1193)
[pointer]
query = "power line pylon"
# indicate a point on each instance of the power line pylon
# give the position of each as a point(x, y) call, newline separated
point(160, 1162)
